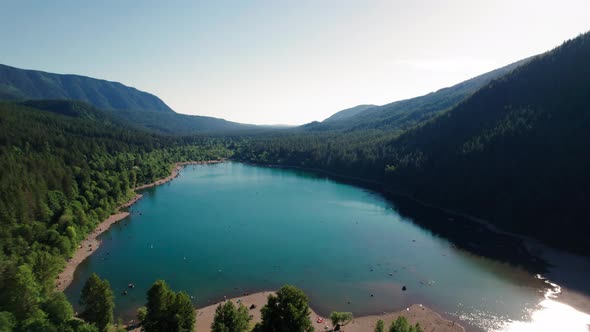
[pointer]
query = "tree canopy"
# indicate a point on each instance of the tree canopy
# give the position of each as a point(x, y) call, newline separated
point(167, 310)
point(286, 311)
point(229, 318)
point(98, 301)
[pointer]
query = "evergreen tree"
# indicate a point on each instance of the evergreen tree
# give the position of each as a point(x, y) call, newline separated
point(23, 293)
point(58, 308)
point(228, 318)
point(287, 311)
point(98, 301)
point(159, 300)
point(401, 324)
point(168, 311)
point(183, 313)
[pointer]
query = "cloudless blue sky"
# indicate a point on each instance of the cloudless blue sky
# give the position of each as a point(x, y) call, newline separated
point(282, 61)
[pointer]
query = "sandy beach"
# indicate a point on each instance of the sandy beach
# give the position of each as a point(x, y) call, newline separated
point(428, 319)
point(91, 243)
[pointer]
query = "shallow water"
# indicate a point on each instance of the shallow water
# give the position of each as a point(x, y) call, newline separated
point(226, 229)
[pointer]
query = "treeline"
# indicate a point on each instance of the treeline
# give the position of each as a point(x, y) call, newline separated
point(285, 311)
point(515, 153)
point(62, 174)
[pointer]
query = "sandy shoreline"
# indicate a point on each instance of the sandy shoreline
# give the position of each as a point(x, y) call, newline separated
point(91, 243)
point(429, 320)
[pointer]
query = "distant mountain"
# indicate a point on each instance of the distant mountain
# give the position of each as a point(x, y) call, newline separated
point(347, 113)
point(137, 108)
point(18, 83)
point(404, 114)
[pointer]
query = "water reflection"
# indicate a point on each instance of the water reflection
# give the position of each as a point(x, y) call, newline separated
point(550, 315)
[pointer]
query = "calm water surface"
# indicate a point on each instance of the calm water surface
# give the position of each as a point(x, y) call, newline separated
point(231, 228)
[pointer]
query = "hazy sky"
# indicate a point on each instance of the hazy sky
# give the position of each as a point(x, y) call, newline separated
point(288, 62)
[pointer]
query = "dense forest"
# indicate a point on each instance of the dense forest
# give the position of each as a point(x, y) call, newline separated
point(514, 153)
point(65, 167)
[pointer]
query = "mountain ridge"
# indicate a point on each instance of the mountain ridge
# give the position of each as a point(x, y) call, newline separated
point(403, 114)
point(128, 104)
point(16, 83)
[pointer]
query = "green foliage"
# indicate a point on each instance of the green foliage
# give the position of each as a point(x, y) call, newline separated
point(183, 313)
point(168, 311)
point(401, 324)
point(340, 318)
point(7, 321)
point(287, 311)
point(159, 299)
point(141, 314)
point(59, 310)
point(23, 294)
point(78, 325)
point(228, 318)
point(380, 326)
point(98, 301)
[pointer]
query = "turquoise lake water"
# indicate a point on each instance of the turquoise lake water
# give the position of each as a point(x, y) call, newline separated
point(227, 229)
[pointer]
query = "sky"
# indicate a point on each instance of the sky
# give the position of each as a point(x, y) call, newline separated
point(282, 62)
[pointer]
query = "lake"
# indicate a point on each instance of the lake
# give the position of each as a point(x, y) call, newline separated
point(231, 228)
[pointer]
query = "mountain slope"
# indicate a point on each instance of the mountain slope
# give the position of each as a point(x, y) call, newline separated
point(515, 153)
point(404, 114)
point(347, 113)
point(139, 109)
point(18, 83)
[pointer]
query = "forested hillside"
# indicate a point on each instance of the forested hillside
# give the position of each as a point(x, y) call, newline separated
point(18, 83)
point(347, 113)
point(404, 114)
point(65, 169)
point(134, 107)
point(515, 153)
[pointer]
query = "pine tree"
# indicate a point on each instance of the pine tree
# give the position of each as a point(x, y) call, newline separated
point(98, 301)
